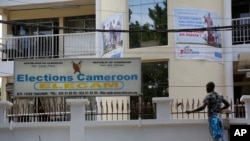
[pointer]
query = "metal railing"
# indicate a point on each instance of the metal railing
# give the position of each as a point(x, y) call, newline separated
point(102, 110)
point(120, 111)
point(178, 108)
point(45, 113)
point(113, 110)
point(48, 46)
point(241, 31)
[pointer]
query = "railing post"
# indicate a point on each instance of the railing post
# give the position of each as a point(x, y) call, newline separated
point(77, 110)
point(246, 99)
point(4, 105)
point(163, 107)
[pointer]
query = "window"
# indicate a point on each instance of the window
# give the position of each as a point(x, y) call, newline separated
point(154, 84)
point(80, 23)
point(154, 79)
point(147, 15)
point(44, 28)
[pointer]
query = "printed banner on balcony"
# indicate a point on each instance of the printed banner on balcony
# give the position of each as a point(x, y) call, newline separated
point(208, 41)
point(112, 40)
point(192, 51)
point(77, 77)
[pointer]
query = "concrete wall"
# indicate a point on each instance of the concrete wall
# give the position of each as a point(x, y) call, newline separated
point(163, 128)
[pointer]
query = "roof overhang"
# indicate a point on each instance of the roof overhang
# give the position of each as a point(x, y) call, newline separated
point(41, 4)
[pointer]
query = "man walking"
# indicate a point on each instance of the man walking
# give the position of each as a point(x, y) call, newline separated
point(213, 101)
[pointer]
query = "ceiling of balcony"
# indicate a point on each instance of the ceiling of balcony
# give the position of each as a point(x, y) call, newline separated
point(35, 4)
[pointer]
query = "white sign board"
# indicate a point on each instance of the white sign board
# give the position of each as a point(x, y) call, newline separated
point(77, 77)
point(198, 44)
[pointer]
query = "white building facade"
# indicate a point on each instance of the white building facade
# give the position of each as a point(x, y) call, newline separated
point(79, 29)
point(182, 45)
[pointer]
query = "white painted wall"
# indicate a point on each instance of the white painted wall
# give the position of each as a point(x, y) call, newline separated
point(112, 131)
point(161, 129)
point(38, 134)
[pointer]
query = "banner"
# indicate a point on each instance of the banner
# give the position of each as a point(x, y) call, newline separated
point(77, 77)
point(207, 42)
point(193, 51)
point(112, 40)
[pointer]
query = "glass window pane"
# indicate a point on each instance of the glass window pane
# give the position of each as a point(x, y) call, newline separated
point(145, 17)
point(90, 23)
point(135, 2)
point(135, 20)
point(148, 1)
point(159, 1)
point(136, 10)
point(80, 22)
point(154, 84)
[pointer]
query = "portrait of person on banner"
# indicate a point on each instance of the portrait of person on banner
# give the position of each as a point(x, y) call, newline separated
point(212, 35)
point(112, 40)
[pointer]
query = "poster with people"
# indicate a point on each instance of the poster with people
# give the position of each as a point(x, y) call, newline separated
point(205, 43)
point(112, 40)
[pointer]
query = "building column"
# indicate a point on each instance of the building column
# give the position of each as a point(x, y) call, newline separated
point(98, 35)
point(228, 51)
point(163, 107)
point(3, 27)
point(61, 38)
point(4, 14)
point(4, 105)
point(246, 99)
point(3, 89)
point(77, 118)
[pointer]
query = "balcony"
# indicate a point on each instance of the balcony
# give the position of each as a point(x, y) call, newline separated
point(48, 46)
point(240, 33)
point(83, 44)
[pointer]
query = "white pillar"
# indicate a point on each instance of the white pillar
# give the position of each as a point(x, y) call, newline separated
point(61, 38)
point(98, 35)
point(77, 113)
point(163, 107)
point(246, 99)
point(4, 105)
point(3, 89)
point(228, 56)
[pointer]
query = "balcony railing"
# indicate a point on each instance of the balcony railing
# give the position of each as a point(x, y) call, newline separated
point(81, 44)
point(48, 46)
point(241, 33)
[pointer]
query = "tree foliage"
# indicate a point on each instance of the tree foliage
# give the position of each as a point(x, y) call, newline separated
point(158, 14)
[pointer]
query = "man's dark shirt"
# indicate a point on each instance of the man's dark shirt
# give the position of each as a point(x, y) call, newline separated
point(214, 102)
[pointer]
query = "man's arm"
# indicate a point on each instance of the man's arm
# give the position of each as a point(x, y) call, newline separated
point(226, 104)
point(198, 109)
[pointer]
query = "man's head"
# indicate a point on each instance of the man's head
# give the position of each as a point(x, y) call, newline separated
point(210, 87)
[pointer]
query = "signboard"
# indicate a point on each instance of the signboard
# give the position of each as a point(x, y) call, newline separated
point(77, 77)
point(204, 44)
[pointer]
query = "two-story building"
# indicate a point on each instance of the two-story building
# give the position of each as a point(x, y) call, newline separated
point(182, 44)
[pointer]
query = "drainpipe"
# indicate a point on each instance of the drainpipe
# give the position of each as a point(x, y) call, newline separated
point(228, 51)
